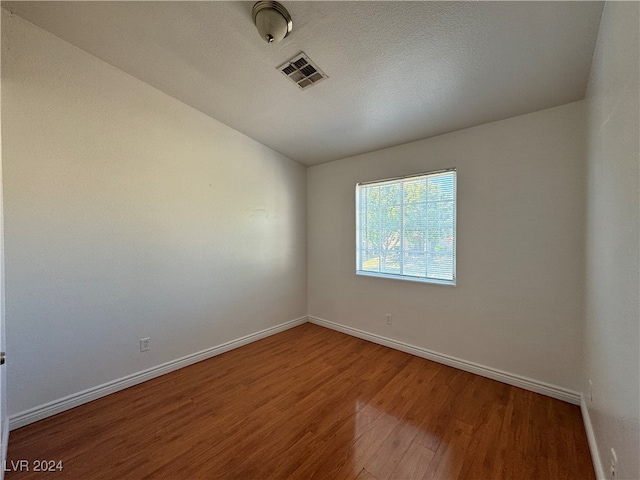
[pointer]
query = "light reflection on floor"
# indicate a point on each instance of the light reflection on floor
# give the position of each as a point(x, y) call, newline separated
point(386, 447)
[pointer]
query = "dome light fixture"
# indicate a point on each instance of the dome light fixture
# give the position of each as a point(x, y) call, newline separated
point(272, 21)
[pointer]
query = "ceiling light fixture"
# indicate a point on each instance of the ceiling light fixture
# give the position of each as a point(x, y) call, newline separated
point(272, 21)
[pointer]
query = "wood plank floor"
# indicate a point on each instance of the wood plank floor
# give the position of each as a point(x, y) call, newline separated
point(311, 403)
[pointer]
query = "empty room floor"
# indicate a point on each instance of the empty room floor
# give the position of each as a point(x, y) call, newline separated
point(312, 403)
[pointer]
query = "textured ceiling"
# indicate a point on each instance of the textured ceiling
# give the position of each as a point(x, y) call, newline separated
point(398, 71)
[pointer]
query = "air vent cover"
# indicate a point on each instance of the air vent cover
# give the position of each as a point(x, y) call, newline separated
point(302, 71)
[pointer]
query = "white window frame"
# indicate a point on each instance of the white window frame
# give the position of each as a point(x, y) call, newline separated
point(401, 276)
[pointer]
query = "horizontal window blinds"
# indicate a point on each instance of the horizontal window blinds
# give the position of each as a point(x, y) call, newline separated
point(407, 227)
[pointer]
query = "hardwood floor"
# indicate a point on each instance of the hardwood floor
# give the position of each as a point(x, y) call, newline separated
point(311, 403)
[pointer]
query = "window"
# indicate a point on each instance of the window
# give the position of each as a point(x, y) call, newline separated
point(406, 228)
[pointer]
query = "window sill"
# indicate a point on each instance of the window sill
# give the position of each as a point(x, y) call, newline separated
point(406, 278)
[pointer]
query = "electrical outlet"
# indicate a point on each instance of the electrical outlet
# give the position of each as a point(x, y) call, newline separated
point(144, 344)
point(613, 463)
point(389, 319)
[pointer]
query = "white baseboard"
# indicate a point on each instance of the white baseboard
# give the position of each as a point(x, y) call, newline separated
point(57, 406)
point(591, 437)
point(499, 375)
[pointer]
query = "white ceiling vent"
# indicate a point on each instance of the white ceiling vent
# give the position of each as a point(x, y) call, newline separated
point(302, 71)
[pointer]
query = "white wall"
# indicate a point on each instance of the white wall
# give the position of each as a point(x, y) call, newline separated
point(129, 214)
point(517, 305)
point(612, 331)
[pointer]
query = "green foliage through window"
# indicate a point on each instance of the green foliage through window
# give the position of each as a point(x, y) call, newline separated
point(407, 227)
